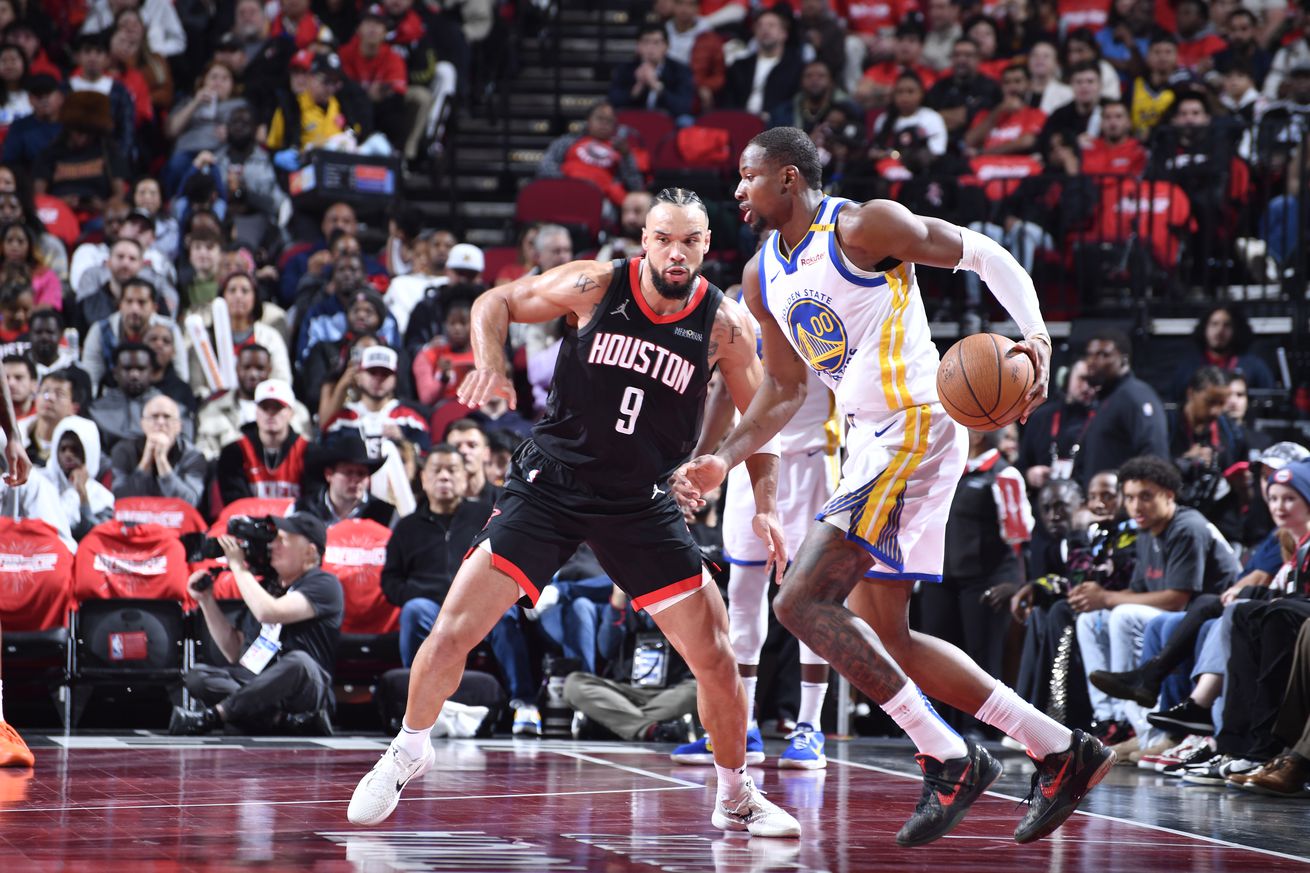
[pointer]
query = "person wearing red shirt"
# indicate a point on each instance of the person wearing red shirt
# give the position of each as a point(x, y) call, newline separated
point(380, 71)
point(443, 363)
point(1010, 128)
point(907, 54)
point(1115, 152)
point(294, 19)
point(1197, 42)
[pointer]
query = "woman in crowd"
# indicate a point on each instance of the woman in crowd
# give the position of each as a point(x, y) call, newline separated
point(245, 312)
point(907, 111)
point(18, 245)
point(1223, 338)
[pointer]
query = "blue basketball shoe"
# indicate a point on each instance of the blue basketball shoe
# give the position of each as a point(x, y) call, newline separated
point(804, 749)
point(702, 751)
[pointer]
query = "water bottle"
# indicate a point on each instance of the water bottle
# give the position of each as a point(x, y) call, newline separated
point(73, 343)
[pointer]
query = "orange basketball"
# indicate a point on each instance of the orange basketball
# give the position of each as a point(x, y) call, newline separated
point(982, 382)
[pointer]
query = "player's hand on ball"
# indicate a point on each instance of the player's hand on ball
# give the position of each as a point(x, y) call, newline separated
point(703, 474)
point(1038, 349)
point(482, 385)
point(768, 527)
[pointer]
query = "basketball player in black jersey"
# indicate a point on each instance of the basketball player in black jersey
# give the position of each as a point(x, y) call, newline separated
point(624, 412)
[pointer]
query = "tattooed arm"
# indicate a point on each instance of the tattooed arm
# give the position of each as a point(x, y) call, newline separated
point(571, 289)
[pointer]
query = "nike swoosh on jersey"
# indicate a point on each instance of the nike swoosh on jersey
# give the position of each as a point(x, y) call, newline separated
point(879, 433)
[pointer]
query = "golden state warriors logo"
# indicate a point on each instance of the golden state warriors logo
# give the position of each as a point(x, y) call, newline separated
point(819, 335)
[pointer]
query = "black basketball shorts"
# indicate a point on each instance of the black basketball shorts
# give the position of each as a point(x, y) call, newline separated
point(642, 542)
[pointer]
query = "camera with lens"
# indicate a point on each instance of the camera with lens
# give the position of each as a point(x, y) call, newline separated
point(256, 536)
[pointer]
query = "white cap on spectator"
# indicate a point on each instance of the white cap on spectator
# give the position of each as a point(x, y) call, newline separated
point(274, 389)
point(378, 356)
point(466, 256)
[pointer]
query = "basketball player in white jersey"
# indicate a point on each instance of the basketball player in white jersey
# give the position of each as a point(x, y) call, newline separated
point(833, 287)
point(809, 466)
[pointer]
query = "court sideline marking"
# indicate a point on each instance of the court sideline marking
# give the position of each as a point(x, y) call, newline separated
point(1161, 828)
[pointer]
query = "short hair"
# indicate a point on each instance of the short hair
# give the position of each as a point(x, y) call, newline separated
point(1191, 96)
point(1085, 67)
point(441, 449)
point(1114, 101)
point(139, 282)
point(1209, 377)
point(548, 230)
point(141, 250)
point(1115, 337)
point(206, 235)
point(463, 424)
point(678, 197)
point(75, 389)
point(1017, 68)
point(1149, 468)
point(1164, 37)
point(1201, 5)
point(254, 347)
point(124, 348)
point(24, 360)
point(45, 312)
point(1244, 12)
point(910, 27)
point(1054, 486)
point(647, 29)
point(966, 40)
point(792, 147)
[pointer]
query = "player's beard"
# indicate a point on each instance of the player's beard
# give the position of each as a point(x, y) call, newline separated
point(670, 291)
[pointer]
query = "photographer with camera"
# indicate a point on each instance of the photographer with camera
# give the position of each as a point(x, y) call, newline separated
point(282, 649)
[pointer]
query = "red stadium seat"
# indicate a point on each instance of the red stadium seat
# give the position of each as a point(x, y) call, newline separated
point(495, 259)
point(252, 506)
point(36, 572)
point(571, 202)
point(136, 561)
point(356, 551)
point(58, 219)
point(225, 586)
point(170, 512)
point(652, 125)
point(741, 126)
point(444, 416)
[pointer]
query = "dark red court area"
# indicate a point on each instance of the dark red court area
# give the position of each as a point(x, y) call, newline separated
point(147, 803)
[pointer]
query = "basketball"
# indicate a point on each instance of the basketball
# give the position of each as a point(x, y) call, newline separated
point(982, 382)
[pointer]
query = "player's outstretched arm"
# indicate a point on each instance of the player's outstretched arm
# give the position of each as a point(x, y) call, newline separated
point(733, 346)
point(883, 228)
point(574, 289)
point(779, 393)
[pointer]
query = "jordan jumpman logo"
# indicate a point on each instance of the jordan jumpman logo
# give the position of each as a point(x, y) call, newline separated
point(623, 309)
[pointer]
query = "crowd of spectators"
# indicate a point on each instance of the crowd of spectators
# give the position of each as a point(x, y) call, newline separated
point(174, 327)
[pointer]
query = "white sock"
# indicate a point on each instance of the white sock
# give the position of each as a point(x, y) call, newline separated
point(915, 715)
point(731, 781)
point(413, 742)
point(749, 683)
point(812, 694)
point(2, 701)
point(1010, 713)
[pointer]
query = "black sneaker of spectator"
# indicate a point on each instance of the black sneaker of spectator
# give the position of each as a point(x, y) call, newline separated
point(1060, 783)
point(949, 789)
point(309, 724)
point(1188, 717)
point(1135, 685)
point(1112, 733)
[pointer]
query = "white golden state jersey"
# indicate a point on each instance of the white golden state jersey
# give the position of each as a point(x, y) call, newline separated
point(865, 333)
point(816, 424)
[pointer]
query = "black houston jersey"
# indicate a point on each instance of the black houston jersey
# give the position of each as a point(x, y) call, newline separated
point(629, 388)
